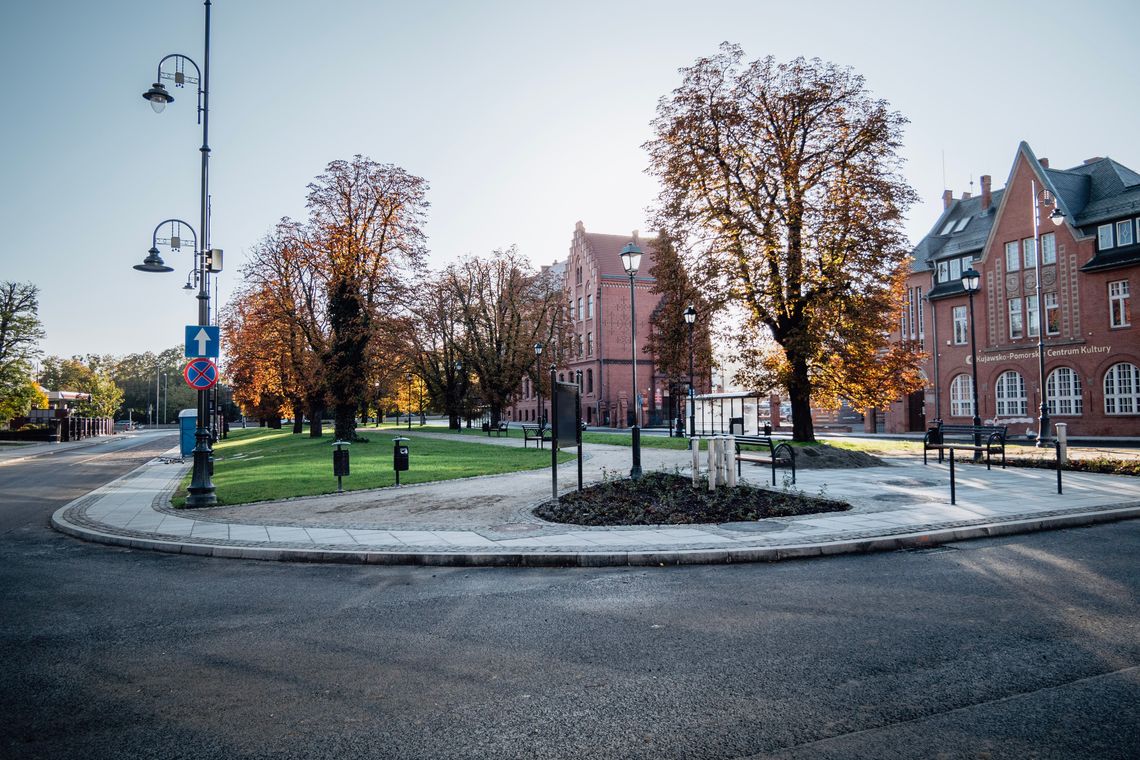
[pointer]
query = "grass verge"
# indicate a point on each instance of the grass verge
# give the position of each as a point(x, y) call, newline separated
point(258, 464)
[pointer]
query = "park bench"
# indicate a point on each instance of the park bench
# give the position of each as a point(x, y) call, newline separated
point(535, 433)
point(778, 453)
point(502, 428)
point(987, 439)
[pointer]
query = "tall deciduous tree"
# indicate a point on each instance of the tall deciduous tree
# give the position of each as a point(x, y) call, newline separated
point(365, 233)
point(20, 334)
point(440, 347)
point(669, 337)
point(782, 182)
point(505, 307)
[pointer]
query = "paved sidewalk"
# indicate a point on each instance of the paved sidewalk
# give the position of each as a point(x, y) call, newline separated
point(488, 520)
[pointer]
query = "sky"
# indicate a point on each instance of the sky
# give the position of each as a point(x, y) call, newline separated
point(524, 118)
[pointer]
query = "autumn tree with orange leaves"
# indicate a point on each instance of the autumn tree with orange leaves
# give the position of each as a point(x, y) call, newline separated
point(782, 187)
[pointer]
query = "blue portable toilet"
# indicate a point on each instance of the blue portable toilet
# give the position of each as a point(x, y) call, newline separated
point(187, 424)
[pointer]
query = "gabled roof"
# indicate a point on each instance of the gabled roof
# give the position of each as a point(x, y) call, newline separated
point(606, 251)
point(949, 238)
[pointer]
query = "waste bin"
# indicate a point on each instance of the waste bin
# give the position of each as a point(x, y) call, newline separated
point(187, 424)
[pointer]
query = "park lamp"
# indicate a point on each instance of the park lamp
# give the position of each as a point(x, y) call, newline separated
point(158, 97)
point(971, 280)
point(1057, 216)
point(153, 261)
point(690, 315)
point(631, 258)
point(538, 349)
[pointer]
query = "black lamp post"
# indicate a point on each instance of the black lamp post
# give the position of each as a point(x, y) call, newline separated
point(201, 491)
point(971, 281)
point(690, 319)
point(630, 260)
point(408, 378)
point(1042, 198)
point(538, 383)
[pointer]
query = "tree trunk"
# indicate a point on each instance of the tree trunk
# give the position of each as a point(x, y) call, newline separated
point(453, 420)
point(316, 411)
point(799, 393)
point(298, 416)
point(344, 424)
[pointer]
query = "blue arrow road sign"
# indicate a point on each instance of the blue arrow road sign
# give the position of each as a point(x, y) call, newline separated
point(202, 341)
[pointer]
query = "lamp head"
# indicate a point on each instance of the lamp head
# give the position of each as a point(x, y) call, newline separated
point(971, 279)
point(690, 315)
point(538, 349)
point(158, 97)
point(153, 263)
point(1057, 216)
point(631, 258)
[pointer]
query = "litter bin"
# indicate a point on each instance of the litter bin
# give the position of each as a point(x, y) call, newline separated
point(187, 424)
point(399, 456)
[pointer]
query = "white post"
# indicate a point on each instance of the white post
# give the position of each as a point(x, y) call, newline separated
point(730, 459)
point(1063, 439)
point(695, 445)
point(714, 458)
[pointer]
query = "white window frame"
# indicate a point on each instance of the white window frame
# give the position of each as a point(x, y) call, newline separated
point(1012, 256)
point(1009, 391)
point(1032, 318)
point(1122, 389)
point(962, 396)
point(1029, 253)
point(1104, 237)
point(1013, 310)
point(1049, 248)
point(1063, 389)
point(1052, 309)
point(1118, 304)
point(589, 306)
point(1127, 238)
point(943, 271)
point(961, 325)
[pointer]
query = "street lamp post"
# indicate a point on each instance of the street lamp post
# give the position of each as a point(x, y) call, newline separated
point(631, 259)
point(201, 491)
point(538, 383)
point(971, 281)
point(408, 378)
point(1043, 197)
point(690, 319)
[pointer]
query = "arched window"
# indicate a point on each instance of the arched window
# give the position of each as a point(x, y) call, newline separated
point(1064, 390)
point(962, 396)
point(1011, 400)
point(1122, 389)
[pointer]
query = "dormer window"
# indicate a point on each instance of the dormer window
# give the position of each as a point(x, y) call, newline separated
point(948, 228)
point(962, 224)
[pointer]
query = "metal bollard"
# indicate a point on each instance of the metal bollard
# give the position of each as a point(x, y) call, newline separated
point(1060, 448)
point(952, 476)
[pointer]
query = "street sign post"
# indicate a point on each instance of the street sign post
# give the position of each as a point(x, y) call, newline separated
point(202, 341)
point(201, 374)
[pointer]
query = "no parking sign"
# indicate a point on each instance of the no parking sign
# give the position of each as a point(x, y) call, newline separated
point(201, 374)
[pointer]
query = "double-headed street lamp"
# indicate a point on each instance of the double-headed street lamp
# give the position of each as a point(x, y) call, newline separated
point(690, 319)
point(1042, 198)
point(201, 491)
point(538, 383)
point(631, 259)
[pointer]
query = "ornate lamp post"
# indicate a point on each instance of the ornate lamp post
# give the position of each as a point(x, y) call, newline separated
point(201, 491)
point(630, 260)
point(538, 383)
point(408, 378)
point(690, 319)
point(971, 281)
point(1042, 198)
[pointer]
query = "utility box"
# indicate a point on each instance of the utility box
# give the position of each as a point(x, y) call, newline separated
point(187, 424)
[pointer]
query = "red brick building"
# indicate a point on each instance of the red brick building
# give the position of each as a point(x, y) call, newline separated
point(597, 293)
point(1089, 266)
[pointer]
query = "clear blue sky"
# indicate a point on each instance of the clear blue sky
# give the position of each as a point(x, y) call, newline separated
point(524, 117)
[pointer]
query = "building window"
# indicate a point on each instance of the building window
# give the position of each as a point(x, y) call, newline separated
point(1064, 390)
point(1011, 400)
point(921, 321)
point(589, 306)
point(1029, 248)
point(943, 271)
point(1033, 325)
point(579, 346)
point(1124, 232)
point(1122, 389)
point(1012, 256)
point(1052, 314)
point(579, 308)
point(1016, 327)
point(1118, 313)
point(1049, 248)
point(578, 276)
point(589, 381)
point(1104, 237)
point(962, 396)
point(589, 344)
point(960, 325)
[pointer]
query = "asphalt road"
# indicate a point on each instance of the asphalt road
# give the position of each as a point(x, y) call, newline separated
point(1013, 648)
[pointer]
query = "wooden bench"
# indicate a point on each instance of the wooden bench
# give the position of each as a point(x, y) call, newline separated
point(987, 439)
point(500, 429)
point(535, 433)
point(778, 453)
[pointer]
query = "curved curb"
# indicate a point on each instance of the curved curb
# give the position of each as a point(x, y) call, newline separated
point(602, 558)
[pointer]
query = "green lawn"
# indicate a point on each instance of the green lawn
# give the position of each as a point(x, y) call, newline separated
point(258, 464)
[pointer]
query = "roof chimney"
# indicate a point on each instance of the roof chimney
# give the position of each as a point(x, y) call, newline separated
point(966, 196)
point(987, 197)
point(1044, 163)
point(947, 198)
